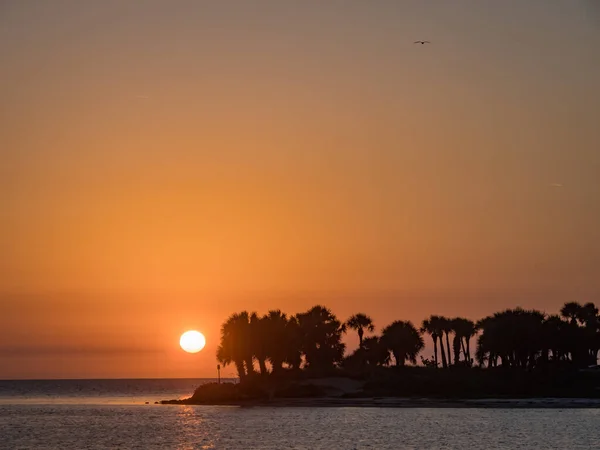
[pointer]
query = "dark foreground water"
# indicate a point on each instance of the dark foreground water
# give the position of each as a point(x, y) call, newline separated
point(113, 414)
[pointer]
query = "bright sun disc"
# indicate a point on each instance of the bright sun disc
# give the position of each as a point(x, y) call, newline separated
point(192, 341)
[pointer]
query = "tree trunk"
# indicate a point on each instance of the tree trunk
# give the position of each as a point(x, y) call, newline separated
point(239, 365)
point(464, 349)
point(263, 366)
point(399, 361)
point(249, 367)
point(360, 337)
point(435, 350)
point(294, 361)
point(443, 352)
point(456, 342)
point(448, 348)
point(468, 339)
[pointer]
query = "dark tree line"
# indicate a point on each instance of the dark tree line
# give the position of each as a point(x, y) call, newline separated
point(529, 338)
point(313, 340)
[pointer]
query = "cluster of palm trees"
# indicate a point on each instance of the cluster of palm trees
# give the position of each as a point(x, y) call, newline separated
point(463, 330)
point(529, 338)
point(313, 340)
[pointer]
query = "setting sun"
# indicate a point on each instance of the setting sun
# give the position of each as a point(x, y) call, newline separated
point(192, 341)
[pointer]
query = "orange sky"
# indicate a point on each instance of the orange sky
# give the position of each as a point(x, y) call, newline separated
point(167, 163)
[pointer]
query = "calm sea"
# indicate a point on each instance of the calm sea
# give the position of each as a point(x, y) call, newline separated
point(106, 414)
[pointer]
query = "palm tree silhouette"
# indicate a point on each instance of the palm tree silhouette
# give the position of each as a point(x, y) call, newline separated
point(360, 322)
point(456, 347)
point(438, 324)
point(554, 338)
point(446, 326)
point(588, 316)
point(464, 329)
point(469, 330)
point(321, 334)
point(259, 341)
point(293, 344)
point(375, 352)
point(429, 327)
point(278, 338)
point(235, 343)
point(586, 335)
point(571, 311)
point(403, 340)
point(514, 336)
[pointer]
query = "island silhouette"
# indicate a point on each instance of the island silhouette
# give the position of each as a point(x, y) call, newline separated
point(519, 353)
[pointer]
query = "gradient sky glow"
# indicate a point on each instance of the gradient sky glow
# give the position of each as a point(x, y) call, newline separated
point(166, 163)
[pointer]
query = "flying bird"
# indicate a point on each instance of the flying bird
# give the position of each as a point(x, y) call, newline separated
point(422, 42)
point(556, 185)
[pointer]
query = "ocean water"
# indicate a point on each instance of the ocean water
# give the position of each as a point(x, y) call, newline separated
point(97, 392)
point(110, 414)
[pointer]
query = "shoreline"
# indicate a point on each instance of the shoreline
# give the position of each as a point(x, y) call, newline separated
point(394, 402)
